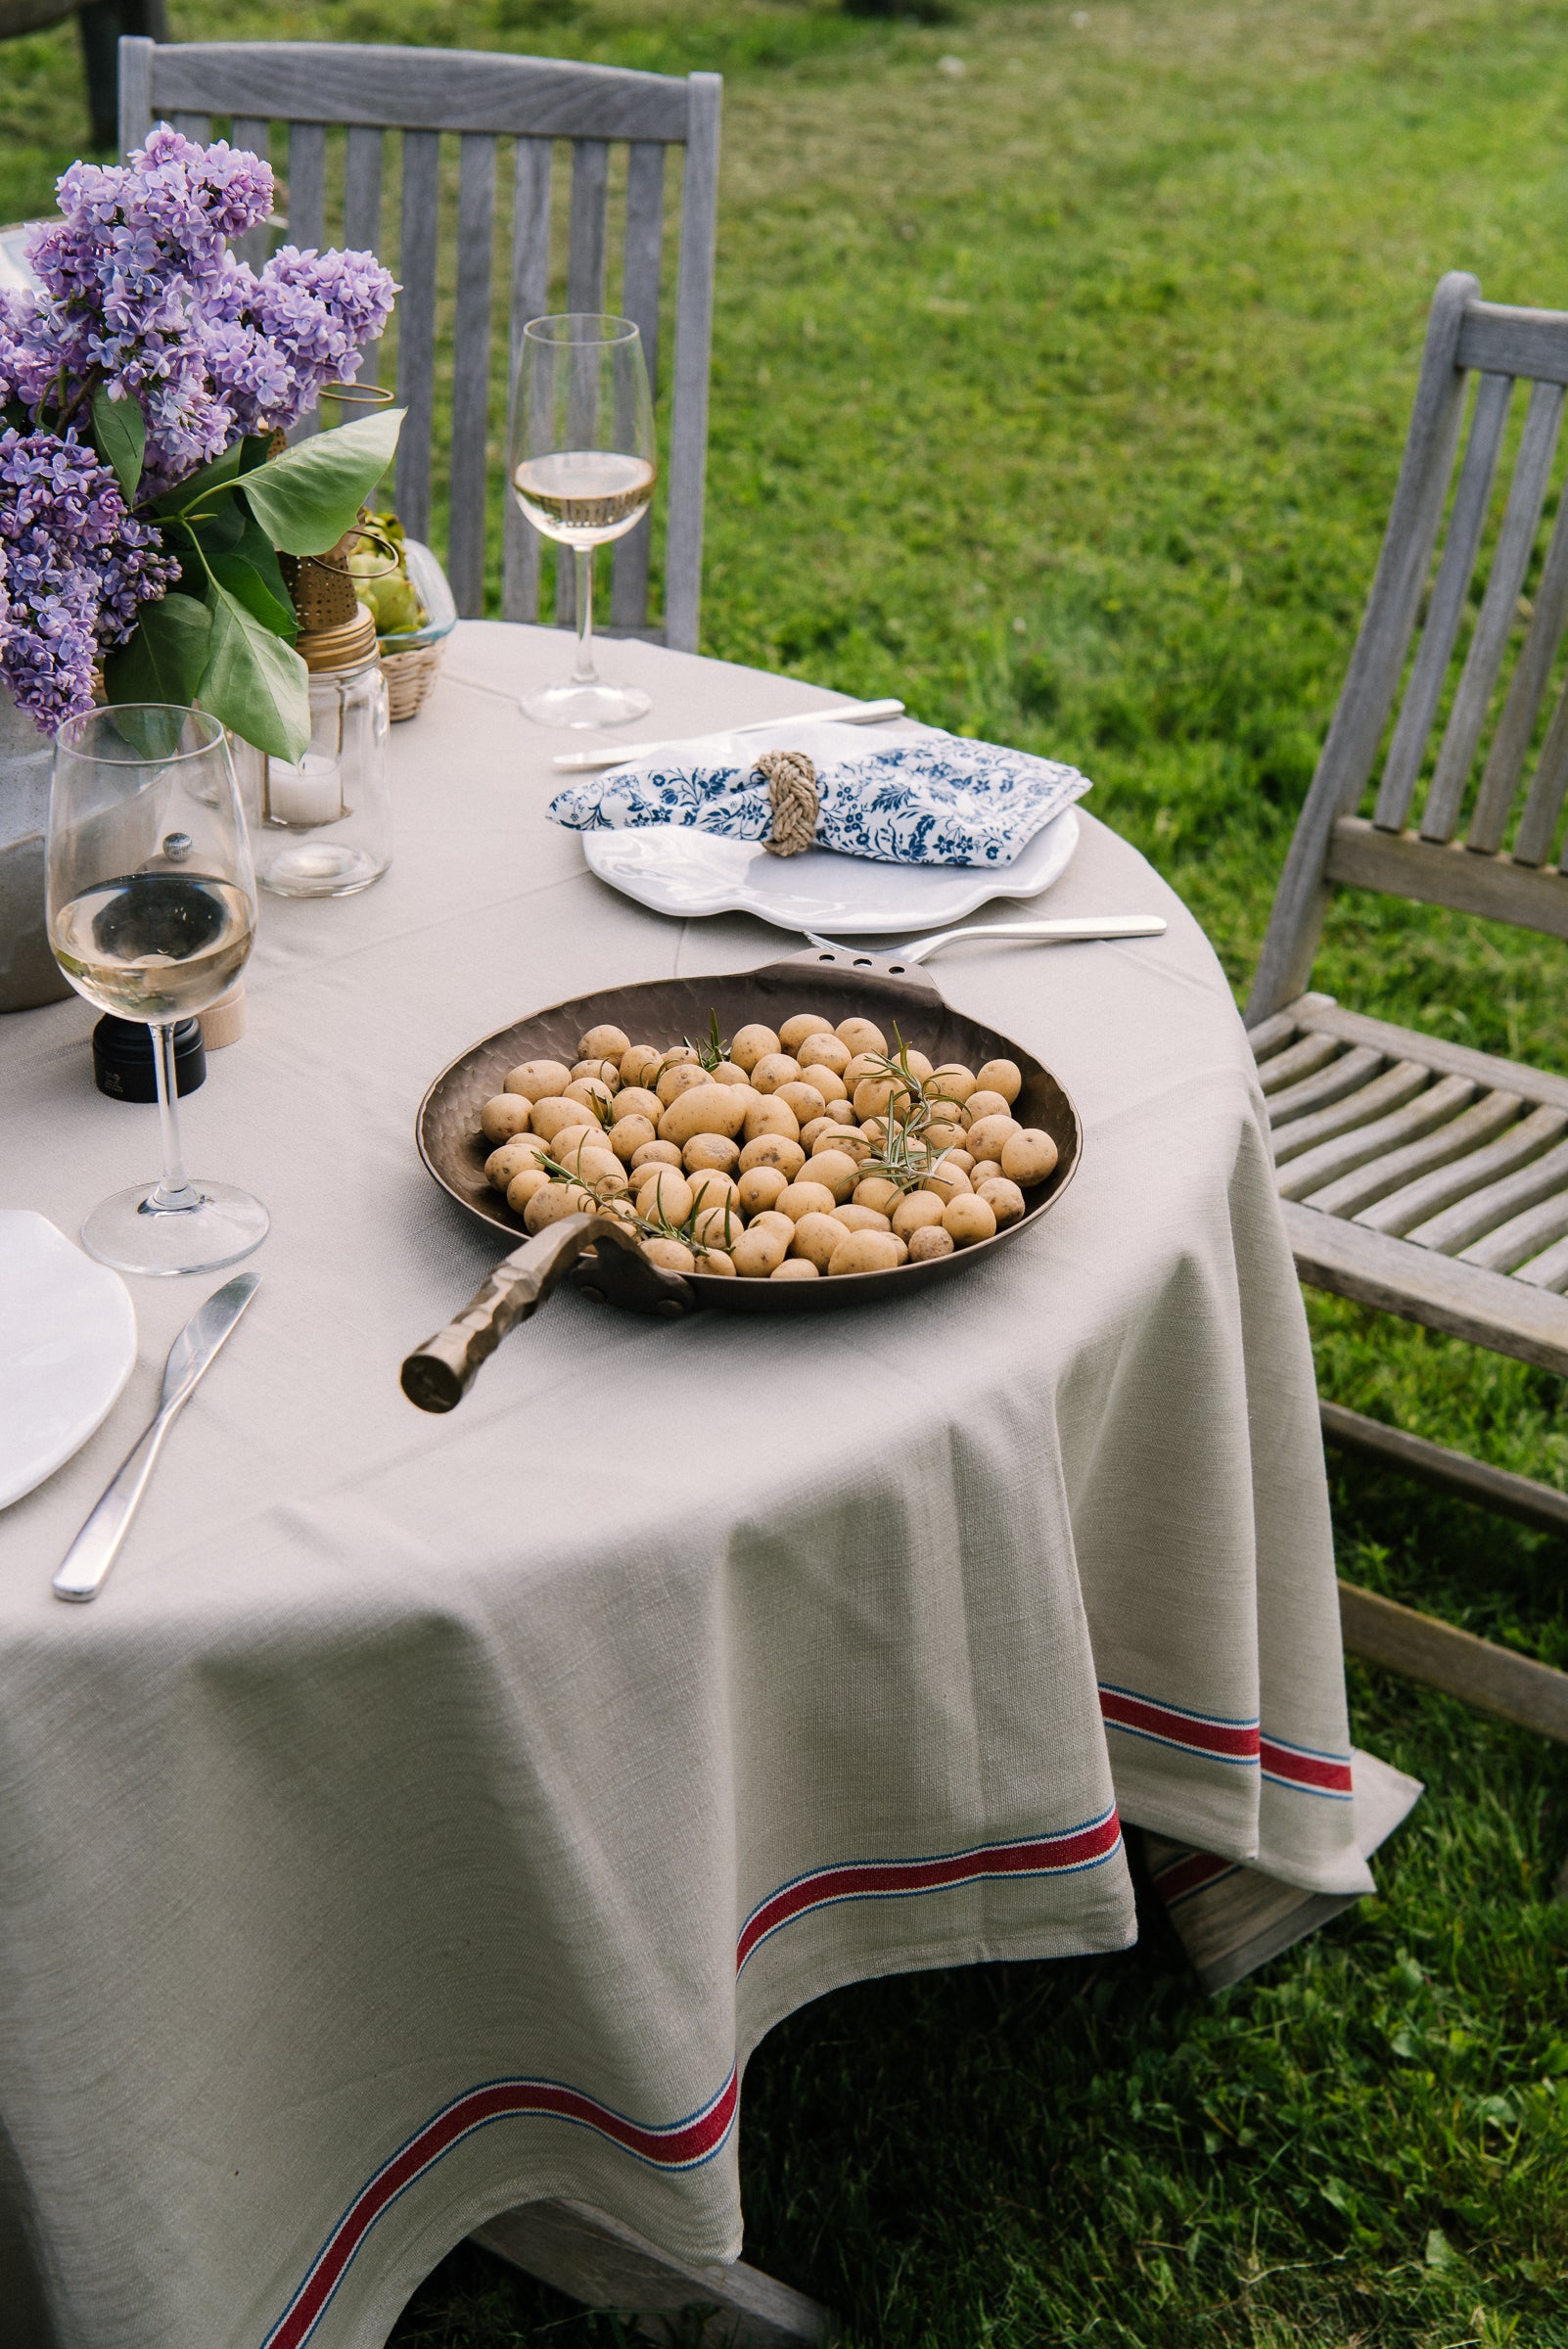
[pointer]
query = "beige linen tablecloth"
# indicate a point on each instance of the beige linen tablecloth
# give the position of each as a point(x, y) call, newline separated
point(432, 1814)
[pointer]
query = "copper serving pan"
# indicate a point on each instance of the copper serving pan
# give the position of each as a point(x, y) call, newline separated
point(836, 983)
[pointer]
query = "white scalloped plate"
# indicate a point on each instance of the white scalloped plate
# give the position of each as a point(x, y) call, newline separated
point(67, 1344)
point(674, 868)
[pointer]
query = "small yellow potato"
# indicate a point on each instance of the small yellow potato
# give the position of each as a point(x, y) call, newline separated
point(504, 1117)
point(628, 1135)
point(795, 1267)
point(717, 1227)
point(805, 1099)
point(773, 1069)
point(942, 1137)
point(673, 1254)
point(951, 1080)
point(835, 1168)
point(713, 1259)
point(874, 1096)
point(1029, 1155)
point(555, 1113)
point(862, 1035)
point(752, 1044)
point(607, 1071)
point(710, 1189)
point(771, 1219)
point(848, 1138)
point(806, 1199)
point(866, 1252)
point(655, 1154)
point(1005, 1199)
point(637, 1060)
point(863, 1065)
point(771, 1117)
point(777, 1150)
point(554, 1203)
point(917, 1212)
point(874, 1133)
point(511, 1159)
point(704, 1109)
point(636, 1101)
point(759, 1250)
point(816, 1237)
point(982, 1104)
point(713, 1151)
point(728, 1072)
point(988, 1170)
point(680, 1077)
point(984, 1139)
point(813, 1131)
point(588, 1091)
point(878, 1192)
point(1003, 1077)
point(760, 1187)
point(590, 1158)
point(862, 1219)
point(917, 1064)
point(604, 1042)
point(522, 1187)
point(663, 1192)
point(822, 1050)
point(962, 1160)
point(826, 1081)
point(968, 1219)
point(930, 1240)
point(947, 1182)
point(536, 1080)
point(803, 1024)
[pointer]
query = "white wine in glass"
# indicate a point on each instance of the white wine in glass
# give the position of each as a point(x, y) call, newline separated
point(582, 471)
point(152, 914)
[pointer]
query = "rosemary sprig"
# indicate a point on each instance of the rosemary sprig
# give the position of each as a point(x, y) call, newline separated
point(714, 1048)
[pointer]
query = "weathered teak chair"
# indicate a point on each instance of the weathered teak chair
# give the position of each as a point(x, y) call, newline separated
point(1417, 1176)
point(482, 98)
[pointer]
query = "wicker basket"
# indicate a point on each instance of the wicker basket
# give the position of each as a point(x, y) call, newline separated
point(409, 677)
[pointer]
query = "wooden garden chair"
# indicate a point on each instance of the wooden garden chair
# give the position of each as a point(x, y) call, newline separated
point(1417, 1176)
point(310, 87)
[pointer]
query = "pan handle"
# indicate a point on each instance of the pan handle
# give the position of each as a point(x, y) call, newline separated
point(439, 1374)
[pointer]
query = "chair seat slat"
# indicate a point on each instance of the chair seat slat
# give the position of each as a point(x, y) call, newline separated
point(1447, 610)
point(530, 277)
point(1526, 692)
point(1436, 1106)
point(1459, 1226)
point(471, 372)
point(1389, 1091)
point(1348, 1194)
point(1419, 1201)
point(1270, 1036)
point(1343, 1076)
point(1549, 1270)
point(1301, 1060)
point(1509, 561)
point(1521, 1237)
point(416, 325)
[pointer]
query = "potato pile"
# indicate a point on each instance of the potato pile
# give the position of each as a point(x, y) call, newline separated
point(798, 1154)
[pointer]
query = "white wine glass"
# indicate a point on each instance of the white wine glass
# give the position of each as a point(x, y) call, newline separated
point(583, 469)
point(152, 913)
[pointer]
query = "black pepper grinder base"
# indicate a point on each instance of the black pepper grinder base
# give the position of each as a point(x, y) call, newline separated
point(122, 1059)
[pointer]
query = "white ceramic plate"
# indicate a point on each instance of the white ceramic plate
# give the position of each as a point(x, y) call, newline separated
point(677, 869)
point(67, 1342)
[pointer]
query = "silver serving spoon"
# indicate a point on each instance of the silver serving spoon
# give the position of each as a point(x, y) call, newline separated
point(1062, 931)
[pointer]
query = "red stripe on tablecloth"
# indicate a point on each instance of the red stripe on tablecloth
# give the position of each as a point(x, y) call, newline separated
point(680, 2146)
point(1084, 1846)
point(1206, 1733)
point(1317, 1773)
point(1190, 1874)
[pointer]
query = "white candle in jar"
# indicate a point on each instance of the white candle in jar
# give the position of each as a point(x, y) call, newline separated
point(310, 792)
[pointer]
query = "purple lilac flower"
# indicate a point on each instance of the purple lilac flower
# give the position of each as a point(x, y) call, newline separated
point(74, 566)
point(272, 341)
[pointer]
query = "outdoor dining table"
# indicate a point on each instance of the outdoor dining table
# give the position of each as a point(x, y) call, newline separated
point(432, 1814)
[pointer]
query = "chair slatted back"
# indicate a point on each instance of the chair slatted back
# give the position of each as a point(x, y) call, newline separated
point(1459, 664)
point(484, 100)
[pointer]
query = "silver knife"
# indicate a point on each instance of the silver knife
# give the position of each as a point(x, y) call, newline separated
point(851, 713)
point(96, 1547)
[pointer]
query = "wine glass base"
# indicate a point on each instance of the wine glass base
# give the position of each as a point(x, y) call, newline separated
point(132, 1237)
point(596, 705)
point(320, 868)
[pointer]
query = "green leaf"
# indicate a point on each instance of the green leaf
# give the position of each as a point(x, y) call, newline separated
point(192, 490)
point(254, 681)
point(312, 495)
point(250, 584)
point(165, 661)
point(119, 435)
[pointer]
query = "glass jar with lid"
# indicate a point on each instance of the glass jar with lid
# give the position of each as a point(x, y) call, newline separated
point(325, 828)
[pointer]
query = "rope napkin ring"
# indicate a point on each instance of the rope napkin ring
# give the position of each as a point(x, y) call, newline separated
point(793, 796)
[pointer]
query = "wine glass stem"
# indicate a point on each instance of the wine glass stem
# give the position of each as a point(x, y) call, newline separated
point(584, 674)
point(175, 1189)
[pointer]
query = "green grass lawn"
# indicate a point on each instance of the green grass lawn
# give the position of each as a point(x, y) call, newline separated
point(1064, 396)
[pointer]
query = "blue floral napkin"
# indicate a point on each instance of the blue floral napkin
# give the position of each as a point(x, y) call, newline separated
point(920, 797)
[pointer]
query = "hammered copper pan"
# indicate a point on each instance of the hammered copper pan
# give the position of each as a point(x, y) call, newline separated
point(836, 983)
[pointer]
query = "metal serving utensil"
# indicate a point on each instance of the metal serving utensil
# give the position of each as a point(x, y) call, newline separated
point(97, 1545)
point(1063, 930)
point(863, 714)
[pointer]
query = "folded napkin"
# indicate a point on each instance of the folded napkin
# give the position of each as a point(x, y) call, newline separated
point(920, 797)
